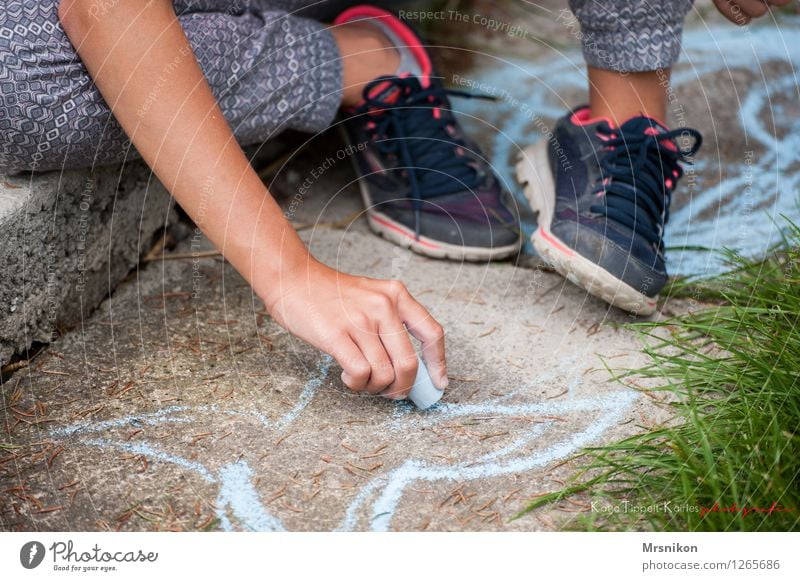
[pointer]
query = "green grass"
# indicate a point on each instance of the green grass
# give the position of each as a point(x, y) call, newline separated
point(731, 375)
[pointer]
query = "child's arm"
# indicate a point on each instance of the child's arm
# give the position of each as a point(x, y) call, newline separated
point(179, 130)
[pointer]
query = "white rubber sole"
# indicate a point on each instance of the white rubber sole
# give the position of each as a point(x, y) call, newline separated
point(401, 235)
point(533, 173)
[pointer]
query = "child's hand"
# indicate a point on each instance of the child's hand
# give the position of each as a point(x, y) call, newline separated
point(743, 11)
point(362, 323)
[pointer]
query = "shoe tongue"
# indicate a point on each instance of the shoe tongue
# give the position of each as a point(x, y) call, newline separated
point(648, 126)
point(388, 91)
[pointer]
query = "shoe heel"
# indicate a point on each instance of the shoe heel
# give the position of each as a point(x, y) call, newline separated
point(535, 177)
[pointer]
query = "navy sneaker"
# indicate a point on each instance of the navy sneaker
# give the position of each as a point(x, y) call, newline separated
point(603, 196)
point(425, 184)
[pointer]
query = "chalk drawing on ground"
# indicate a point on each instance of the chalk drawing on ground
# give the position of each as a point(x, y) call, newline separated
point(239, 506)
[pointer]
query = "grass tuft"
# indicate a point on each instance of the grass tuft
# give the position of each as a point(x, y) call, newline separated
point(729, 458)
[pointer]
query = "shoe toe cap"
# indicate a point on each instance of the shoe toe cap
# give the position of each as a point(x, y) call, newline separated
point(627, 262)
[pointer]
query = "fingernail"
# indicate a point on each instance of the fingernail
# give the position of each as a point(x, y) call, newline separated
point(443, 382)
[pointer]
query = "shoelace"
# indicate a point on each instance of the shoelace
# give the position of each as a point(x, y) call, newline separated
point(638, 175)
point(407, 127)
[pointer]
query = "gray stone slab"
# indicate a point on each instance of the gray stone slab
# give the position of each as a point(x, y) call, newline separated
point(66, 240)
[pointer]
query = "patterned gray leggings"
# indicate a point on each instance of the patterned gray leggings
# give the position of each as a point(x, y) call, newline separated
point(271, 64)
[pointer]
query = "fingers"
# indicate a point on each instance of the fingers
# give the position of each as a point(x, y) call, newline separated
point(424, 327)
point(731, 10)
point(741, 12)
point(754, 8)
point(381, 368)
point(404, 359)
point(356, 370)
point(376, 354)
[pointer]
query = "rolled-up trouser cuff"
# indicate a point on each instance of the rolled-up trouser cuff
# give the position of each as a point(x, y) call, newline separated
point(320, 82)
point(631, 36)
point(279, 72)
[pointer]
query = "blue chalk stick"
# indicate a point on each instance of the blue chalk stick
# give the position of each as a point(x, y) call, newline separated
point(424, 394)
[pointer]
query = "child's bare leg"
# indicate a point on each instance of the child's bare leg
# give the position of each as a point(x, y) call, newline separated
point(620, 96)
point(629, 47)
point(366, 54)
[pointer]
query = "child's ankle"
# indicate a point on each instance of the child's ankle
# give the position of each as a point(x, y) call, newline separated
point(620, 96)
